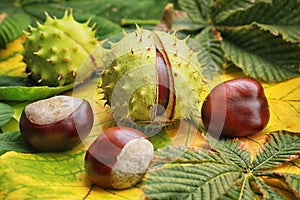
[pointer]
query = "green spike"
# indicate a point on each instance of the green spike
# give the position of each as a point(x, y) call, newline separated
point(134, 58)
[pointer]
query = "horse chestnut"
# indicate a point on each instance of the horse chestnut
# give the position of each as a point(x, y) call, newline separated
point(118, 158)
point(236, 108)
point(56, 123)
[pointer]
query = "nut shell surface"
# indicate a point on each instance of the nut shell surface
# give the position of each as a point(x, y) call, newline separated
point(118, 158)
point(58, 135)
point(236, 108)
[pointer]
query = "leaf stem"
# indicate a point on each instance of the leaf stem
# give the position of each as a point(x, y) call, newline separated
point(125, 22)
point(243, 187)
point(89, 192)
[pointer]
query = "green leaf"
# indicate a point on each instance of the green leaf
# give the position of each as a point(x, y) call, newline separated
point(106, 28)
point(294, 183)
point(268, 193)
point(197, 10)
point(160, 139)
point(279, 148)
point(23, 93)
point(13, 141)
point(11, 125)
point(226, 8)
point(12, 23)
point(260, 37)
point(234, 150)
point(290, 33)
point(211, 42)
point(261, 54)
point(240, 190)
point(182, 22)
point(43, 175)
point(279, 17)
point(111, 10)
point(15, 81)
point(190, 181)
point(6, 113)
point(178, 154)
point(224, 172)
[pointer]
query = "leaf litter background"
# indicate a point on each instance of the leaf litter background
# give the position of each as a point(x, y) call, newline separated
point(62, 176)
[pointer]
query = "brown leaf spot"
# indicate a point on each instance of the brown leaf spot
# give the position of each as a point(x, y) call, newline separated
point(2, 17)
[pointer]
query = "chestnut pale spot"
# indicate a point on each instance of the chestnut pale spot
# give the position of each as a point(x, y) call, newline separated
point(118, 158)
point(56, 124)
point(132, 162)
point(51, 110)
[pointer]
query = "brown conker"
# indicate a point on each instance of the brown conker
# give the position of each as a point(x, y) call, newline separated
point(118, 158)
point(236, 108)
point(57, 123)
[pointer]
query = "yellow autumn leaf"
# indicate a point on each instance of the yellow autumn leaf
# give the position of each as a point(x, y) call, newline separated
point(11, 59)
point(51, 176)
point(284, 100)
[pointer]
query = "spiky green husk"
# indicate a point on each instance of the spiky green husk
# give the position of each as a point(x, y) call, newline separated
point(129, 81)
point(55, 51)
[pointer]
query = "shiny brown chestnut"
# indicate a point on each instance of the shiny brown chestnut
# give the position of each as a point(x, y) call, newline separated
point(57, 123)
point(236, 108)
point(118, 158)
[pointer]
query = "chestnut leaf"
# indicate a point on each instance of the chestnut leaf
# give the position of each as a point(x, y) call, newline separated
point(294, 183)
point(224, 172)
point(260, 54)
point(279, 148)
point(13, 22)
point(260, 37)
point(6, 113)
point(266, 191)
point(24, 93)
point(13, 141)
point(58, 175)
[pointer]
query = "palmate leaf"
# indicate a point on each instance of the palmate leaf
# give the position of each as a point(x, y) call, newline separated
point(232, 174)
point(12, 23)
point(191, 181)
point(6, 113)
point(106, 13)
point(279, 17)
point(211, 42)
point(24, 93)
point(13, 141)
point(240, 190)
point(261, 54)
point(223, 9)
point(279, 148)
point(42, 176)
point(59, 175)
point(111, 10)
point(284, 104)
point(260, 37)
point(267, 192)
point(180, 154)
point(294, 183)
point(233, 150)
point(289, 33)
point(197, 10)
